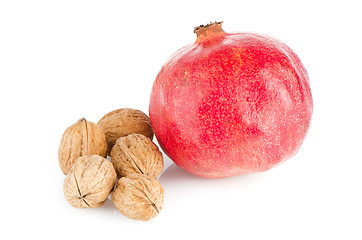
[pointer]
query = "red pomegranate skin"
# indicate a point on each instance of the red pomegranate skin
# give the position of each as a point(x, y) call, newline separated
point(231, 104)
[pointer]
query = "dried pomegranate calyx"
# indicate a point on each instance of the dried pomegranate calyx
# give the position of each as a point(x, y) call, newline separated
point(207, 33)
point(215, 25)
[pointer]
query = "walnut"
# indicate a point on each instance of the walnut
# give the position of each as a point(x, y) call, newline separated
point(136, 153)
point(82, 138)
point(89, 182)
point(138, 196)
point(121, 122)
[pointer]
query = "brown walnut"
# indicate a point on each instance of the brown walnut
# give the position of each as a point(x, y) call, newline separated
point(89, 182)
point(136, 153)
point(122, 122)
point(138, 196)
point(82, 138)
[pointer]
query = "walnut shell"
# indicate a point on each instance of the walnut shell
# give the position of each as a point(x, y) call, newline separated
point(89, 182)
point(136, 153)
point(82, 138)
point(122, 122)
point(138, 196)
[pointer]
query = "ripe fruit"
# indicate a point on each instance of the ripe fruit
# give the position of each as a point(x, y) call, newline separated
point(231, 104)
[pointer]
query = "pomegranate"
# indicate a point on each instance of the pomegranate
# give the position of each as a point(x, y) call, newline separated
point(231, 104)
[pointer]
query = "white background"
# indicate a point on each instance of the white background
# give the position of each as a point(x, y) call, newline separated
point(64, 60)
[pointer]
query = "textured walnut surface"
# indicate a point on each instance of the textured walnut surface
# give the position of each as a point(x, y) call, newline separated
point(122, 122)
point(89, 182)
point(82, 138)
point(138, 196)
point(136, 153)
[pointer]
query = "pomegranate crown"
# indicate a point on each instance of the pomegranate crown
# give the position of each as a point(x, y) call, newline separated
point(204, 27)
point(208, 33)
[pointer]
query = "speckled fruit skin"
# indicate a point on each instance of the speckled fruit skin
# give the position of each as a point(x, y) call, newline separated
point(231, 104)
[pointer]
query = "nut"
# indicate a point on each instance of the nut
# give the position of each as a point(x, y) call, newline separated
point(82, 138)
point(121, 122)
point(136, 153)
point(138, 196)
point(90, 182)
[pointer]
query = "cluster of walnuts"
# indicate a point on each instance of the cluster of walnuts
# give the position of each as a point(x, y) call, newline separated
point(125, 135)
